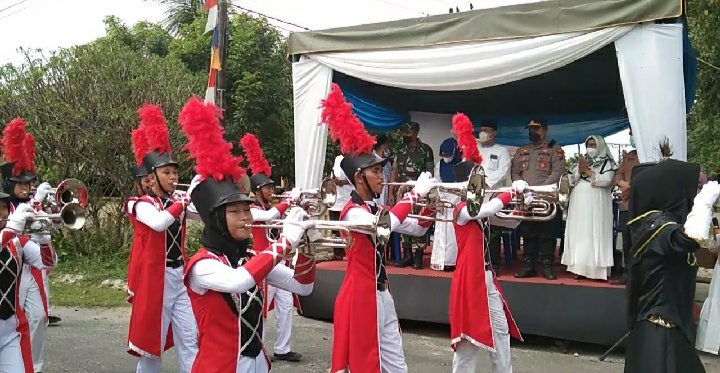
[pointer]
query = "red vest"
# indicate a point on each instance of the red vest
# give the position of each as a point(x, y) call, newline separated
point(136, 242)
point(149, 263)
point(218, 326)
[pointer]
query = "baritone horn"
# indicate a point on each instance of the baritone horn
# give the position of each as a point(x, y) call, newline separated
point(69, 191)
point(380, 228)
point(316, 201)
point(471, 192)
point(71, 216)
point(544, 207)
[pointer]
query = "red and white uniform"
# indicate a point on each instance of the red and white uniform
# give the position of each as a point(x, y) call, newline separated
point(228, 304)
point(479, 316)
point(161, 314)
point(136, 242)
point(35, 301)
point(281, 300)
point(364, 317)
point(15, 252)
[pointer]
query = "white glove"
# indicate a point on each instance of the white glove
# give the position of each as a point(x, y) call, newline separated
point(17, 220)
point(697, 225)
point(528, 198)
point(313, 235)
point(423, 184)
point(42, 191)
point(295, 194)
point(294, 226)
point(520, 185)
point(195, 181)
point(708, 195)
point(37, 225)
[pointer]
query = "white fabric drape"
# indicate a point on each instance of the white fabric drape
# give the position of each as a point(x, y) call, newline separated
point(311, 84)
point(460, 67)
point(650, 60)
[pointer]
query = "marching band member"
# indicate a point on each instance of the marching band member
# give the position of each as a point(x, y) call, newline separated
point(669, 221)
point(224, 278)
point(161, 314)
point(281, 300)
point(17, 251)
point(18, 173)
point(141, 185)
point(364, 316)
point(479, 316)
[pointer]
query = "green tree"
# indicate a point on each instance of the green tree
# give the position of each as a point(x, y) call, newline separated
point(703, 129)
point(258, 95)
point(144, 37)
point(80, 104)
point(180, 13)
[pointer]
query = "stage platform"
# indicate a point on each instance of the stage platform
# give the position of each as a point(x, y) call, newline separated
point(567, 309)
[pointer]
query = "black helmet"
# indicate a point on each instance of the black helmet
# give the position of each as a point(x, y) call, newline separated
point(154, 160)
point(258, 181)
point(211, 194)
point(352, 163)
point(24, 176)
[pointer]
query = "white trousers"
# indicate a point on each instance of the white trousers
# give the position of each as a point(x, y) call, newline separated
point(178, 312)
point(253, 365)
point(466, 354)
point(32, 302)
point(46, 284)
point(10, 355)
point(283, 317)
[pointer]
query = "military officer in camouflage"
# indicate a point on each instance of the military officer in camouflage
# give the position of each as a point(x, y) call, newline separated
point(412, 158)
point(539, 163)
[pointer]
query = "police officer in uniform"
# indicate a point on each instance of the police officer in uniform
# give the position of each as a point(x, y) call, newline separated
point(539, 163)
point(413, 158)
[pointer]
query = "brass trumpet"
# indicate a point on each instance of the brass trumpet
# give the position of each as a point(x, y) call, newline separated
point(471, 192)
point(315, 202)
point(380, 228)
point(69, 191)
point(71, 216)
point(544, 207)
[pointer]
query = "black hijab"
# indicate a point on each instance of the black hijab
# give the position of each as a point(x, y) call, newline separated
point(216, 237)
point(669, 186)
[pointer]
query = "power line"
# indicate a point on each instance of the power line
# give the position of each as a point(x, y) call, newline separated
point(708, 63)
point(15, 12)
point(12, 6)
point(270, 17)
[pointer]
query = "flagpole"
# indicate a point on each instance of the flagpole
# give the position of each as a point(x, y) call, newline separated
point(222, 47)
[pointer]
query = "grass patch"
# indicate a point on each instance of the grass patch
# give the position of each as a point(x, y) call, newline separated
point(87, 292)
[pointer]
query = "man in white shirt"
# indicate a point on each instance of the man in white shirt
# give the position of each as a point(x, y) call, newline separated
point(496, 163)
point(343, 190)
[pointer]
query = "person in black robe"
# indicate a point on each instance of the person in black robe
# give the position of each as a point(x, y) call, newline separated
point(668, 222)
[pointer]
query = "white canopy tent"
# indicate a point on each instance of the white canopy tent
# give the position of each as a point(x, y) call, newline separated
point(649, 55)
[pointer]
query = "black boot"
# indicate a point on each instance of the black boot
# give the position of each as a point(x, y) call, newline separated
point(528, 268)
point(621, 281)
point(407, 259)
point(547, 270)
point(418, 258)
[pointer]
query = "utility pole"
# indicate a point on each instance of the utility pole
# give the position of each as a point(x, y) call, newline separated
point(222, 47)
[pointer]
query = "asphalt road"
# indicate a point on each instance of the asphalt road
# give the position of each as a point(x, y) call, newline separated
point(93, 341)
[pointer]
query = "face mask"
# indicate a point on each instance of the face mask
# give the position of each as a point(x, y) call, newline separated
point(632, 142)
point(407, 139)
point(483, 137)
point(592, 152)
point(534, 137)
point(447, 159)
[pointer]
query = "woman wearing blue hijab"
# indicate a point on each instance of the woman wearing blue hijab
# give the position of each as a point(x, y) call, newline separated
point(444, 251)
point(449, 156)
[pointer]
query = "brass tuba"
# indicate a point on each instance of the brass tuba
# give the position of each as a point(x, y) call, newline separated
point(544, 207)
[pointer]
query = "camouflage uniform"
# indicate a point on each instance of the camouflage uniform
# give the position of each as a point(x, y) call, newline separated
point(410, 162)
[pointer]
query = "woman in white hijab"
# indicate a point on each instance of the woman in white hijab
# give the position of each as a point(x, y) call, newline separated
point(589, 230)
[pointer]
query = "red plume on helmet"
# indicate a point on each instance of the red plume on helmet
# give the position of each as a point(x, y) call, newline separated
point(13, 147)
point(212, 154)
point(254, 154)
point(30, 151)
point(343, 125)
point(139, 144)
point(464, 129)
point(156, 131)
